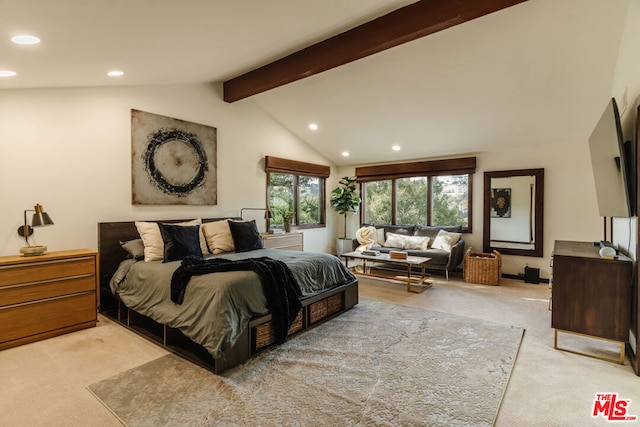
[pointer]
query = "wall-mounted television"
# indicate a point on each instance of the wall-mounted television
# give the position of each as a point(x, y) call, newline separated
point(614, 165)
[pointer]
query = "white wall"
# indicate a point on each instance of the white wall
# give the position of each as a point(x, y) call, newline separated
point(70, 150)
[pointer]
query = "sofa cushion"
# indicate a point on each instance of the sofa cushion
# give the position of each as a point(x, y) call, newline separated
point(400, 241)
point(395, 241)
point(445, 240)
point(432, 231)
point(417, 242)
point(405, 230)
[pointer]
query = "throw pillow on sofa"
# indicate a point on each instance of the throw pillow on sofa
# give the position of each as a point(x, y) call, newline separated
point(395, 241)
point(420, 243)
point(432, 231)
point(445, 240)
point(400, 241)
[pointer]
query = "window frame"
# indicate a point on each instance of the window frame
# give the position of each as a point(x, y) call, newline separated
point(298, 169)
point(429, 169)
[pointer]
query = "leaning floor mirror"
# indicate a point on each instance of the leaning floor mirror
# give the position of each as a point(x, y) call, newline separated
point(513, 212)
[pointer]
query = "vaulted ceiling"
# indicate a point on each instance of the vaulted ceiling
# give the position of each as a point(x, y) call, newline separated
point(539, 72)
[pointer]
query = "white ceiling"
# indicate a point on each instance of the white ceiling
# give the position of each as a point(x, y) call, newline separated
point(537, 73)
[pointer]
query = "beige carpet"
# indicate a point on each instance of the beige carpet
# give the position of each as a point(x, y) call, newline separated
point(378, 364)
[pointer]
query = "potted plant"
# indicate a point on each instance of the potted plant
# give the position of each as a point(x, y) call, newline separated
point(345, 200)
point(286, 214)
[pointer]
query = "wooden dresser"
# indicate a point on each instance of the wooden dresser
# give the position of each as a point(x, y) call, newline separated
point(48, 295)
point(590, 295)
point(289, 241)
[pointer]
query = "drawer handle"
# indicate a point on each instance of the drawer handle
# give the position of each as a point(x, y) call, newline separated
point(55, 261)
point(58, 279)
point(22, 304)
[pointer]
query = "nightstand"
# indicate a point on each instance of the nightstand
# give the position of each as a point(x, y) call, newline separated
point(289, 241)
point(47, 295)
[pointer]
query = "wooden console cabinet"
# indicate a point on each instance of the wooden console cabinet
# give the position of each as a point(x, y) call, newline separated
point(289, 241)
point(48, 295)
point(590, 295)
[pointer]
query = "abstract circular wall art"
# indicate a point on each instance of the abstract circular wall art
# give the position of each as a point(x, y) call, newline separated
point(173, 161)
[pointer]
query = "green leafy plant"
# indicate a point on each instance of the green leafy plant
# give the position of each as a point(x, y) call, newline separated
point(284, 214)
point(344, 199)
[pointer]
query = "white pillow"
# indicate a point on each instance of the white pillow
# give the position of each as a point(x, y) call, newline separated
point(445, 240)
point(395, 241)
point(152, 239)
point(218, 235)
point(417, 243)
point(379, 237)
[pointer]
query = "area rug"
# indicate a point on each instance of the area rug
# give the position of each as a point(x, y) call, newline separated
point(379, 364)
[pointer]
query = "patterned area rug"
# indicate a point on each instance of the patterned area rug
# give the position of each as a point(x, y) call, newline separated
point(379, 364)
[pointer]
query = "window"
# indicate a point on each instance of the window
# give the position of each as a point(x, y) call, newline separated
point(377, 209)
point(425, 193)
point(298, 189)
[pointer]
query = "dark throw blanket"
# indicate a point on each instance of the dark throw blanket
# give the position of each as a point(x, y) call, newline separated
point(280, 287)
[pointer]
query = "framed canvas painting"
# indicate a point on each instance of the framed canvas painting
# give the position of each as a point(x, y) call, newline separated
point(173, 162)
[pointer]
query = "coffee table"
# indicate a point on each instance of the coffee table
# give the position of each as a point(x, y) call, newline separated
point(414, 284)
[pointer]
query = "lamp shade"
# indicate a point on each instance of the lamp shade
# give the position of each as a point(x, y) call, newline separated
point(267, 212)
point(40, 217)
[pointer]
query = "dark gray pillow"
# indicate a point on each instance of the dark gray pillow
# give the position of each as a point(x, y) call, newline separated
point(245, 235)
point(135, 248)
point(432, 231)
point(180, 241)
point(403, 231)
point(120, 274)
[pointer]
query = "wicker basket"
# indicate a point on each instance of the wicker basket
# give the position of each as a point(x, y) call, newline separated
point(325, 308)
point(265, 335)
point(483, 269)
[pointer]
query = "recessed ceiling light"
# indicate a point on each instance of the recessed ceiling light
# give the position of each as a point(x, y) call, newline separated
point(7, 73)
point(396, 148)
point(345, 154)
point(313, 126)
point(115, 73)
point(25, 39)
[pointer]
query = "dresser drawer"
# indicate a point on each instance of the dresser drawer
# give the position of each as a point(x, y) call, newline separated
point(290, 241)
point(25, 321)
point(25, 292)
point(46, 270)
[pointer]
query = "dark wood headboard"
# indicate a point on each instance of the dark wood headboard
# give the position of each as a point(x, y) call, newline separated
point(110, 234)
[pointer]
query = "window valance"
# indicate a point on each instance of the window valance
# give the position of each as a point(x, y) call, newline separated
point(279, 165)
point(460, 166)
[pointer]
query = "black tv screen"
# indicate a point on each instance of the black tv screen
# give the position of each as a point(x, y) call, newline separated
point(613, 165)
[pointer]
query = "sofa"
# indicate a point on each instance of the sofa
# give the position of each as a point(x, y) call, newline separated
point(445, 257)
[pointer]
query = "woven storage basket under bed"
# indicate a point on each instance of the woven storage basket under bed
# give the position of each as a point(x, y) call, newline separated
point(481, 268)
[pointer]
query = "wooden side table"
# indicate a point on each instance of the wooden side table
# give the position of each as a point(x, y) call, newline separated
point(47, 295)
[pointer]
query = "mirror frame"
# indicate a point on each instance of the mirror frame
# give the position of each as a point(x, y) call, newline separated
point(539, 212)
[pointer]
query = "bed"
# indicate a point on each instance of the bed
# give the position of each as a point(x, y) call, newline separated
point(224, 318)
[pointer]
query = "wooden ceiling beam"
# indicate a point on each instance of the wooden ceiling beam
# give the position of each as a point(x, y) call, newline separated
point(400, 26)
